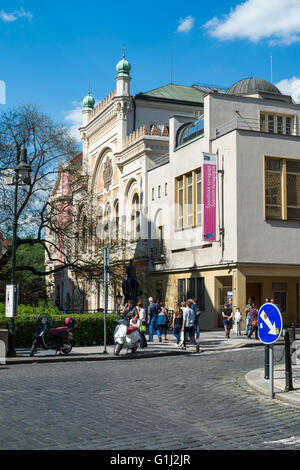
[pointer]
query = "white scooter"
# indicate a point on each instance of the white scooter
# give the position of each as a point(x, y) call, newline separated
point(126, 335)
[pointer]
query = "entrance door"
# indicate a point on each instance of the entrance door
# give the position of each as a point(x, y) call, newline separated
point(254, 290)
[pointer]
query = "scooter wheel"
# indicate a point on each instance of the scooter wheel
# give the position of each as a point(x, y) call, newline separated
point(117, 349)
point(67, 348)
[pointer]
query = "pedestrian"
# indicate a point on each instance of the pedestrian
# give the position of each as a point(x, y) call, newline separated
point(237, 320)
point(143, 321)
point(254, 321)
point(177, 322)
point(188, 324)
point(162, 321)
point(247, 313)
point(227, 319)
point(197, 317)
point(153, 311)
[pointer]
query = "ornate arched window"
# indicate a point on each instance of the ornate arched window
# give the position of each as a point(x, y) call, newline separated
point(107, 220)
point(116, 220)
point(99, 228)
point(135, 216)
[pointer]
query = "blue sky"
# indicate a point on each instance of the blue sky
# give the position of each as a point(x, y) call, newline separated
point(51, 50)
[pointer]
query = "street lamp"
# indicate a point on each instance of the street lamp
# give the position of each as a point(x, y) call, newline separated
point(22, 175)
point(119, 301)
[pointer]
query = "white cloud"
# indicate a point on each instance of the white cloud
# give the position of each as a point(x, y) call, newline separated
point(74, 120)
point(276, 20)
point(15, 15)
point(186, 24)
point(291, 87)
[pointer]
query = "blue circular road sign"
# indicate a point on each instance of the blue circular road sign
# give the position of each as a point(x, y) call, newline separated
point(269, 323)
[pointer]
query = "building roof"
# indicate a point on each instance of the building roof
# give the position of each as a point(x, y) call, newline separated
point(252, 85)
point(173, 92)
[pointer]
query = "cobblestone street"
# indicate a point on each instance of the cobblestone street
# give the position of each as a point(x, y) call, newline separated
point(183, 402)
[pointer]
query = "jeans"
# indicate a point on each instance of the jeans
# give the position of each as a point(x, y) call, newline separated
point(247, 325)
point(238, 327)
point(176, 332)
point(153, 328)
point(188, 335)
point(252, 330)
point(143, 342)
point(162, 329)
point(196, 327)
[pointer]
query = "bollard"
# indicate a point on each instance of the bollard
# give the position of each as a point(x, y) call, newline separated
point(293, 339)
point(288, 364)
point(267, 362)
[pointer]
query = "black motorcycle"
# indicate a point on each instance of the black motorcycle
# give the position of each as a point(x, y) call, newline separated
point(62, 339)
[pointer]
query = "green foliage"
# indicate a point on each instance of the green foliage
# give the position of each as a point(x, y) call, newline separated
point(32, 288)
point(89, 332)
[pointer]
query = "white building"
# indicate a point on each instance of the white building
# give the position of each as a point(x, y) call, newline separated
point(143, 163)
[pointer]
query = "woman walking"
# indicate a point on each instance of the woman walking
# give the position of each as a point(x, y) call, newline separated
point(162, 322)
point(177, 322)
point(142, 330)
point(227, 319)
point(254, 321)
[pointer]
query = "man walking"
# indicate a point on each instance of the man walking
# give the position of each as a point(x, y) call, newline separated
point(153, 311)
point(188, 324)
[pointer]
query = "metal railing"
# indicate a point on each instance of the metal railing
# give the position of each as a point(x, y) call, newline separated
point(256, 125)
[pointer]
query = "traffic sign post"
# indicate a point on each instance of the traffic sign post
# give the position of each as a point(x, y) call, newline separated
point(269, 330)
point(106, 282)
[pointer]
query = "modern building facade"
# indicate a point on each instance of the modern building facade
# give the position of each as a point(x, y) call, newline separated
point(143, 170)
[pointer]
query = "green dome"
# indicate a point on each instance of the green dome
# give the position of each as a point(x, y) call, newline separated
point(123, 68)
point(88, 102)
point(252, 85)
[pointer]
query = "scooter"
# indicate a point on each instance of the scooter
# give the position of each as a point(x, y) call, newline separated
point(62, 339)
point(126, 336)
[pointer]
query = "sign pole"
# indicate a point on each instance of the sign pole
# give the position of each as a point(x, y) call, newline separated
point(271, 371)
point(106, 281)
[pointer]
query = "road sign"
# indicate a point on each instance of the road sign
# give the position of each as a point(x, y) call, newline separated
point(269, 323)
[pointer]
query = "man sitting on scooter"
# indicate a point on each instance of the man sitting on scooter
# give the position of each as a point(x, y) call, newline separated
point(129, 309)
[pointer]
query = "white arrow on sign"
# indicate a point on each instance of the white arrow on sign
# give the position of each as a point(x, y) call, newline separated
point(267, 321)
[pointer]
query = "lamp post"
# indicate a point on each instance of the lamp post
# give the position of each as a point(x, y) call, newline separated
point(22, 171)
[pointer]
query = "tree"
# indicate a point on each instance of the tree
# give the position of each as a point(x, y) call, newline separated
point(47, 144)
point(44, 209)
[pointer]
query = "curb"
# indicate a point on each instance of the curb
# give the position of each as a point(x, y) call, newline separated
point(107, 357)
point(110, 357)
point(254, 381)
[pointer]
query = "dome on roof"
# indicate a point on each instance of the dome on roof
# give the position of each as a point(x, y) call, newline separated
point(88, 101)
point(123, 67)
point(252, 85)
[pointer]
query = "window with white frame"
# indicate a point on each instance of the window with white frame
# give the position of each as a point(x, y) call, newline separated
point(277, 123)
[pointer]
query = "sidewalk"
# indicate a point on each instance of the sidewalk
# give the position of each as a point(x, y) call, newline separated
point(255, 379)
point(209, 341)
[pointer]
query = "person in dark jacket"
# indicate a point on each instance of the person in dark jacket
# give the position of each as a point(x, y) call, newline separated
point(153, 311)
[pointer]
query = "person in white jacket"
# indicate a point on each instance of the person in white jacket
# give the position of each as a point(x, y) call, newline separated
point(238, 320)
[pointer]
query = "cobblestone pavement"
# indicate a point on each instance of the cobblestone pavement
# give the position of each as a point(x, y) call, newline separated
point(182, 402)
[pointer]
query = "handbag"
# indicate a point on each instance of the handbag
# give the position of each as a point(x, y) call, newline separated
point(255, 323)
point(143, 329)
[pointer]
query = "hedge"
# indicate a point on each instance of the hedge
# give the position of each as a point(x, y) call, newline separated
point(89, 332)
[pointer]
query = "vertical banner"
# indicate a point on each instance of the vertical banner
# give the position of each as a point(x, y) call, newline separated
point(209, 196)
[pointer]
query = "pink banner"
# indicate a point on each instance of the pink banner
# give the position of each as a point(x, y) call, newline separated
point(209, 197)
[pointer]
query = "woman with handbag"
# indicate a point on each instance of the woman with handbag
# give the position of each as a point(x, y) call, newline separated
point(254, 321)
point(142, 329)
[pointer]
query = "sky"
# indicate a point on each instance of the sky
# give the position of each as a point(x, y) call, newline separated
point(50, 51)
